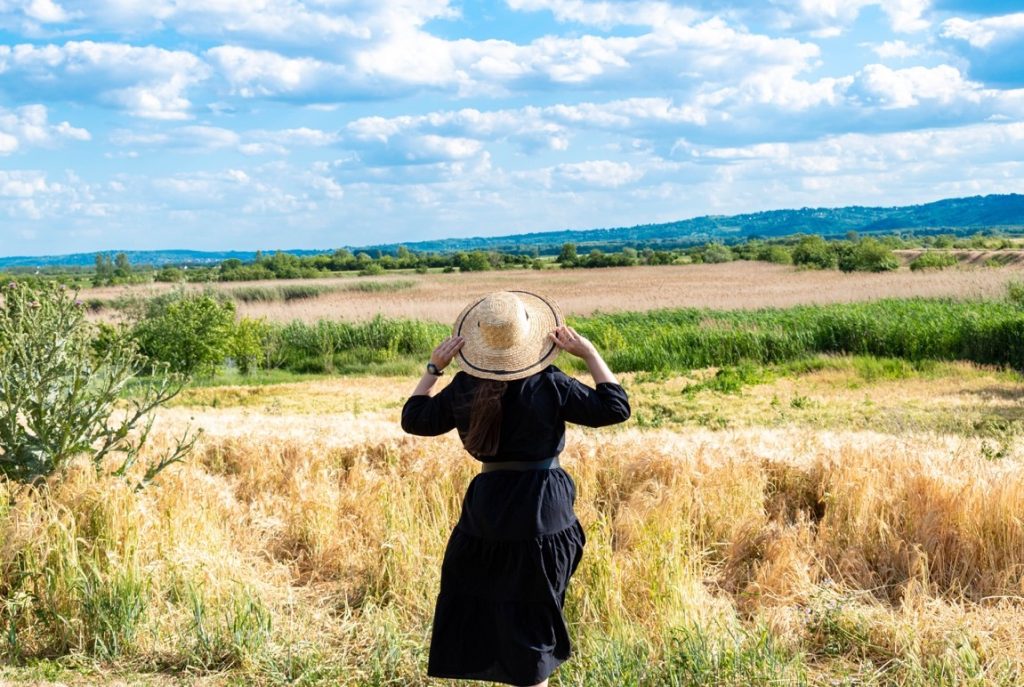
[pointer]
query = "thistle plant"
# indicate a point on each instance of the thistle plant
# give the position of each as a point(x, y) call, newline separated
point(61, 396)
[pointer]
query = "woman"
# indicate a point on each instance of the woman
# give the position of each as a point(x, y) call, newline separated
point(517, 542)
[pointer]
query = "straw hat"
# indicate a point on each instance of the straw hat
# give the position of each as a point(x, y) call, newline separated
point(506, 335)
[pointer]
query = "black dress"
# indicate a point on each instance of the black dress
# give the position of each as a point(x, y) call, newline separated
point(509, 558)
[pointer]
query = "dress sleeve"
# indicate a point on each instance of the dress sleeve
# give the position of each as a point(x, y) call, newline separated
point(429, 416)
point(583, 405)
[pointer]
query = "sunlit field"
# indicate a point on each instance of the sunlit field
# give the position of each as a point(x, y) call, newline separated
point(856, 521)
point(439, 297)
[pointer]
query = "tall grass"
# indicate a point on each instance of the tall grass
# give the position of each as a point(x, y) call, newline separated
point(987, 332)
point(293, 292)
point(758, 558)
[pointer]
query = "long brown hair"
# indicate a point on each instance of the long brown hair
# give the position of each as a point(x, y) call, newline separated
point(485, 417)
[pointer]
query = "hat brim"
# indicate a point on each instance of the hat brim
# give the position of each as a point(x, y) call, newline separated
point(532, 355)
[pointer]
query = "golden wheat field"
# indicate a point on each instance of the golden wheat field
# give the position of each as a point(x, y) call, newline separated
point(797, 543)
point(439, 297)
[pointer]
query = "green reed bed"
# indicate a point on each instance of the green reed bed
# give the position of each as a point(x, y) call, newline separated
point(985, 332)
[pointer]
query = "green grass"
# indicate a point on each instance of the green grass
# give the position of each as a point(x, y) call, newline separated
point(986, 332)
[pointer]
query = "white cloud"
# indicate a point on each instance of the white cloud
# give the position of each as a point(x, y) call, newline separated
point(903, 88)
point(29, 125)
point(982, 33)
point(23, 184)
point(602, 173)
point(893, 49)
point(45, 11)
point(145, 81)
point(204, 138)
point(822, 18)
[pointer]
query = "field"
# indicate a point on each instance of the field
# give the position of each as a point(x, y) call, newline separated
point(857, 522)
point(791, 518)
point(440, 297)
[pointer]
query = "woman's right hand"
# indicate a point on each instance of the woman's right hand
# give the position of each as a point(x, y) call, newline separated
point(571, 341)
point(446, 350)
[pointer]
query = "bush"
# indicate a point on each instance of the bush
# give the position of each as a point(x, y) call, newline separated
point(170, 274)
point(867, 255)
point(371, 270)
point(59, 392)
point(776, 254)
point(717, 252)
point(814, 251)
point(933, 260)
point(247, 344)
point(189, 332)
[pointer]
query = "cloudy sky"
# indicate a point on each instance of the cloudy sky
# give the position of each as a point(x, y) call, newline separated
point(218, 124)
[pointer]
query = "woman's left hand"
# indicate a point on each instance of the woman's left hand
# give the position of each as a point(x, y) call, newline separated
point(446, 350)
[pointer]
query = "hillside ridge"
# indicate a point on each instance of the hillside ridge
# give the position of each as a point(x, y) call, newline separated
point(996, 211)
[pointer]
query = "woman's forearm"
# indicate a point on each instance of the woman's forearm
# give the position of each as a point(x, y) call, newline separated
point(599, 369)
point(426, 383)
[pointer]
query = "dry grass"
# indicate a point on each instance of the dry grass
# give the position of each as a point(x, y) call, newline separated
point(947, 398)
point(439, 297)
point(888, 559)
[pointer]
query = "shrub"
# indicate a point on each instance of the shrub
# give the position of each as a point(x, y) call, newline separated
point(717, 252)
point(776, 254)
point(59, 392)
point(189, 332)
point(933, 260)
point(170, 274)
point(867, 255)
point(370, 270)
point(814, 251)
point(247, 344)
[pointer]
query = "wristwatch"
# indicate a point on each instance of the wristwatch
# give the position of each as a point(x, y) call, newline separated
point(434, 369)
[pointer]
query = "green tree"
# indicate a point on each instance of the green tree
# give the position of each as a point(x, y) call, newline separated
point(567, 257)
point(814, 251)
point(717, 252)
point(247, 344)
point(122, 267)
point(60, 395)
point(868, 255)
point(104, 274)
point(189, 332)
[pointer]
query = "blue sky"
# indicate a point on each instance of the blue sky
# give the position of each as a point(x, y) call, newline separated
point(244, 124)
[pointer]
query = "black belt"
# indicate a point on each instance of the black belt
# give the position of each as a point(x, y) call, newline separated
point(543, 464)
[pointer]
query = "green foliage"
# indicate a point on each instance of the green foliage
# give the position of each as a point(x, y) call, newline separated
point(815, 252)
point(117, 271)
point(776, 254)
point(567, 257)
point(933, 260)
point(246, 347)
point(60, 390)
point(329, 345)
point(867, 255)
point(190, 332)
point(1015, 292)
point(730, 379)
point(173, 275)
point(987, 332)
point(716, 253)
point(475, 261)
point(371, 269)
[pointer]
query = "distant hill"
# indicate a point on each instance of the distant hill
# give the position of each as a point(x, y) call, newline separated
point(953, 215)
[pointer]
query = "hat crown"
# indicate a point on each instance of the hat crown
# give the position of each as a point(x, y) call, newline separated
point(503, 320)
